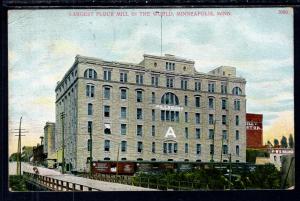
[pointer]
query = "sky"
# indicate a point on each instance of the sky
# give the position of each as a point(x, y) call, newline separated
point(42, 45)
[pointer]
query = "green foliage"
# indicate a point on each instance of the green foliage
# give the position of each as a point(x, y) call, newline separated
point(251, 154)
point(264, 177)
point(17, 183)
point(276, 142)
point(13, 157)
point(283, 142)
point(291, 141)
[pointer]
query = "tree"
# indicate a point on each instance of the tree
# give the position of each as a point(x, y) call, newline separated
point(283, 142)
point(291, 141)
point(276, 142)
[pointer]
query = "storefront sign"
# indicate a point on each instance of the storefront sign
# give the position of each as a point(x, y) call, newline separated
point(169, 107)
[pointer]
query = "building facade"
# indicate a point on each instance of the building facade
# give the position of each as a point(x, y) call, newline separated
point(49, 138)
point(161, 109)
point(254, 130)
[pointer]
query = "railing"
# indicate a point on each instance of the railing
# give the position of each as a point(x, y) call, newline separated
point(153, 183)
point(56, 184)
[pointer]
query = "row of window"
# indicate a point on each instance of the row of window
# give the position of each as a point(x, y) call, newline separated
point(165, 115)
point(139, 131)
point(170, 81)
point(167, 99)
point(168, 148)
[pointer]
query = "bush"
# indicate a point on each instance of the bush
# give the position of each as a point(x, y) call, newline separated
point(17, 183)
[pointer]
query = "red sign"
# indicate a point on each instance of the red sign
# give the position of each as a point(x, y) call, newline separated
point(254, 130)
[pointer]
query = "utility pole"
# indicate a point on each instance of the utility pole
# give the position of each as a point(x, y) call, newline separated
point(90, 128)
point(230, 171)
point(161, 35)
point(19, 150)
point(213, 142)
point(62, 116)
point(118, 159)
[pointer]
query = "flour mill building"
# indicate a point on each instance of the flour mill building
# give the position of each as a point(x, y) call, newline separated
point(161, 109)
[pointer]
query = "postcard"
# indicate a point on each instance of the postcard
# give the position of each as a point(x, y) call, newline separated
point(153, 99)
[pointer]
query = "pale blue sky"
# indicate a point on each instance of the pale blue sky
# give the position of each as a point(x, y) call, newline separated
point(43, 43)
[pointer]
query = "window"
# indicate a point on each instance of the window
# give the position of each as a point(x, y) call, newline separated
point(139, 96)
point(170, 82)
point(175, 148)
point(197, 118)
point(139, 146)
point(153, 147)
point(186, 148)
point(197, 101)
point(184, 84)
point(224, 104)
point(211, 119)
point(212, 149)
point(123, 77)
point(139, 130)
point(224, 119)
point(106, 92)
point(106, 145)
point(169, 99)
point(185, 101)
point(186, 117)
point(198, 149)
point(170, 148)
point(153, 97)
point(106, 111)
point(90, 90)
point(237, 105)
point(210, 103)
point(107, 75)
point(89, 73)
point(89, 144)
point(197, 86)
point(139, 79)
point(154, 80)
point(153, 115)
point(237, 120)
point(139, 113)
point(107, 129)
point(123, 129)
point(223, 88)
point(90, 109)
point(225, 149)
point(275, 158)
point(123, 146)
point(162, 115)
point(237, 135)
point(90, 126)
point(211, 87)
point(123, 94)
point(186, 131)
point(198, 133)
point(123, 112)
point(211, 134)
point(169, 115)
point(224, 134)
point(236, 91)
point(237, 150)
point(165, 148)
point(153, 130)
point(170, 66)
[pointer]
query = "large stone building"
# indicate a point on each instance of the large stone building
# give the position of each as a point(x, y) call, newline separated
point(161, 109)
point(49, 138)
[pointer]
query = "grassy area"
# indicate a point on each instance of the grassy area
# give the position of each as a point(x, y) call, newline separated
point(17, 183)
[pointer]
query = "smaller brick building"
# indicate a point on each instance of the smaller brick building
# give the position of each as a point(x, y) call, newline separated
point(254, 130)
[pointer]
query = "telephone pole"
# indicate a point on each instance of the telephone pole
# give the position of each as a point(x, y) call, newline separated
point(118, 159)
point(90, 129)
point(62, 116)
point(19, 152)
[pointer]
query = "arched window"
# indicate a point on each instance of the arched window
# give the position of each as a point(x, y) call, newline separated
point(236, 91)
point(90, 73)
point(169, 99)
